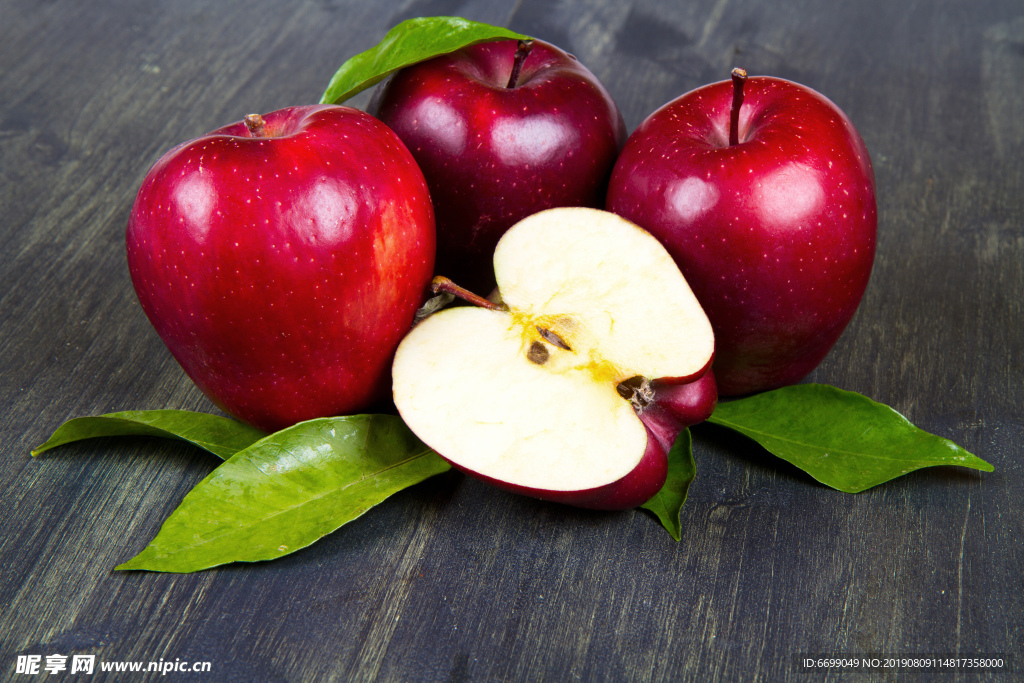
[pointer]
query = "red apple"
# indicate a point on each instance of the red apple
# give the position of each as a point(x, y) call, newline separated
point(775, 230)
point(574, 387)
point(282, 259)
point(500, 134)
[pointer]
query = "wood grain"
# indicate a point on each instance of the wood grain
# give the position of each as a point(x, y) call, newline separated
point(450, 580)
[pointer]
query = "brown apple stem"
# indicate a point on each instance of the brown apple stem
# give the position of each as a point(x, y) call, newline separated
point(522, 52)
point(442, 284)
point(739, 77)
point(256, 125)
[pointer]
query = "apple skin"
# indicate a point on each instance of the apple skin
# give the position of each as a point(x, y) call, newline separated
point(282, 271)
point(678, 406)
point(775, 235)
point(493, 155)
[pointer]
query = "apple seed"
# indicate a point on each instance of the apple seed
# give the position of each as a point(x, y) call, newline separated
point(538, 353)
point(553, 338)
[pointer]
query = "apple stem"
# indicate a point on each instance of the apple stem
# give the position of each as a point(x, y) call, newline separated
point(739, 77)
point(256, 125)
point(442, 284)
point(522, 52)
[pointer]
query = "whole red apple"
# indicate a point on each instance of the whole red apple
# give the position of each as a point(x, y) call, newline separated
point(502, 130)
point(281, 259)
point(773, 229)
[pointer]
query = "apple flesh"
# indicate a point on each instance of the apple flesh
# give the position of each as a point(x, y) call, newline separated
point(496, 148)
point(775, 233)
point(282, 259)
point(545, 394)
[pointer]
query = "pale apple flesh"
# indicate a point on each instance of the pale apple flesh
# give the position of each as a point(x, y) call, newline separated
point(530, 397)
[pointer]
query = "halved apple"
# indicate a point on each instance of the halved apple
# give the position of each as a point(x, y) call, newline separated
point(546, 393)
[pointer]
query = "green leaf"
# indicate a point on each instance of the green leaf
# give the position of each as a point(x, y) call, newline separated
point(411, 41)
point(221, 436)
point(667, 504)
point(288, 490)
point(841, 438)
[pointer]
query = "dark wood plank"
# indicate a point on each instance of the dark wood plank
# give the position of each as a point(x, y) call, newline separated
point(451, 580)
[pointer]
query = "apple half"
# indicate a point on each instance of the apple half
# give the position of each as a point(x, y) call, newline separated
point(545, 393)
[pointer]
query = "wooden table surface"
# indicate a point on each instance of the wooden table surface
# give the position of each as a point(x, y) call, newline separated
point(451, 580)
